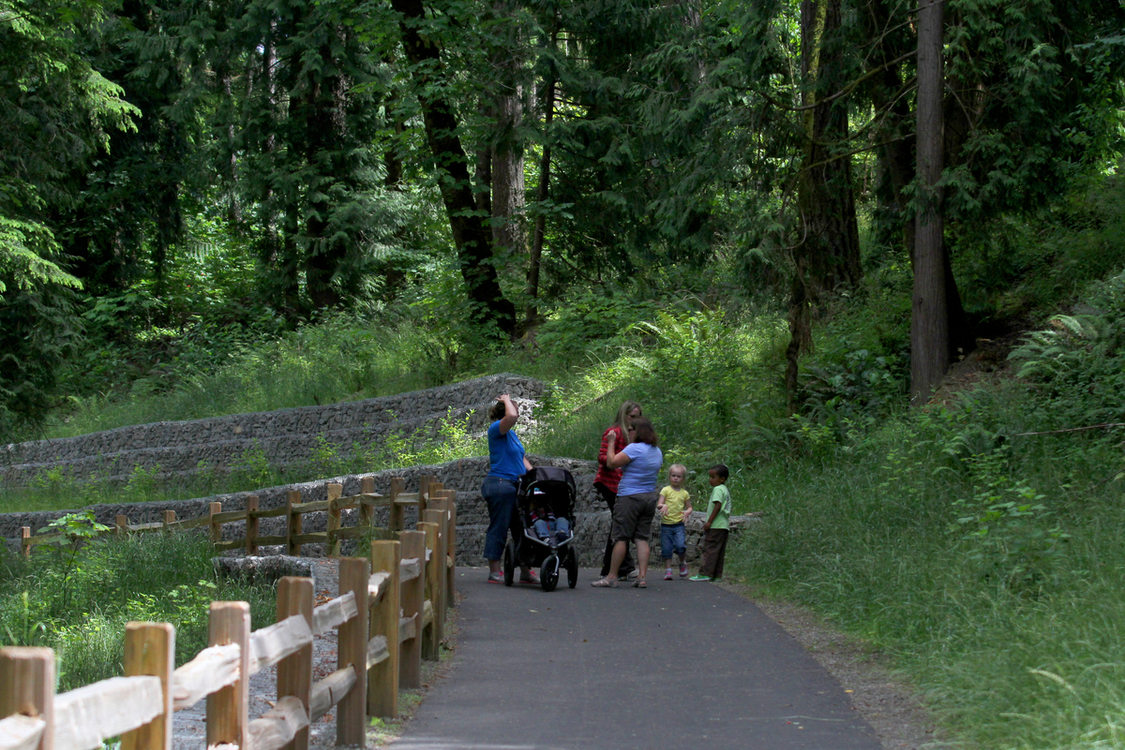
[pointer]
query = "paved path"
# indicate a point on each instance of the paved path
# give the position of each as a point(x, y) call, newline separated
point(677, 665)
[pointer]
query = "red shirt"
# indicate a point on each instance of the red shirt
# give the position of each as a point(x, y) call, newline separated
point(607, 477)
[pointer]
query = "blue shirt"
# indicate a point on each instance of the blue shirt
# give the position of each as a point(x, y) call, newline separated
point(640, 474)
point(505, 451)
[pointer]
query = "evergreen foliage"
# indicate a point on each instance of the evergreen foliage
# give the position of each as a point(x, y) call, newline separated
point(245, 205)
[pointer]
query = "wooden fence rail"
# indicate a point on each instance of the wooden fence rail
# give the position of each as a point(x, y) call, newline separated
point(386, 621)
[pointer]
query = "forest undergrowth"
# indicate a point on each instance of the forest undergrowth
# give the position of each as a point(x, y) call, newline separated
point(974, 540)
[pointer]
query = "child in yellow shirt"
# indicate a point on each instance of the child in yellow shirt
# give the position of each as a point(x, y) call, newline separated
point(674, 507)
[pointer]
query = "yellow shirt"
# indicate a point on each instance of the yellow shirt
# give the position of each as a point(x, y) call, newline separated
point(675, 501)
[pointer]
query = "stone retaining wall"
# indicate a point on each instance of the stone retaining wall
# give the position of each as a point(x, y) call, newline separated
point(286, 437)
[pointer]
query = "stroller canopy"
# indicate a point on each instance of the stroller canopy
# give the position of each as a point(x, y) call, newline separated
point(549, 479)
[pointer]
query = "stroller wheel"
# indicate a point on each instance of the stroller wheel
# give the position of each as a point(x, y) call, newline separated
point(549, 573)
point(509, 563)
point(571, 568)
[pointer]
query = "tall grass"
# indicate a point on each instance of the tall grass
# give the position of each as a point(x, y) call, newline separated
point(340, 359)
point(78, 601)
point(986, 560)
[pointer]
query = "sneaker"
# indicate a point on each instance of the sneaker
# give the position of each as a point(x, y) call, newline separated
point(668, 574)
point(683, 571)
point(531, 577)
point(632, 575)
point(700, 578)
point(495, 577)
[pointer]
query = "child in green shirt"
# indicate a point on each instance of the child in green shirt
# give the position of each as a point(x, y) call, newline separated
point(716, 530)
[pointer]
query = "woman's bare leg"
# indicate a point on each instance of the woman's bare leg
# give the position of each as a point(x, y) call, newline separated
point(642, 557)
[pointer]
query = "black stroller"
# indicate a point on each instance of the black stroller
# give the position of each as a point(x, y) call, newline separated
point(553, 489)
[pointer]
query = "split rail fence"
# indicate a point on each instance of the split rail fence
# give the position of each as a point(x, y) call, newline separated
point(389, 615)
point(293, 511)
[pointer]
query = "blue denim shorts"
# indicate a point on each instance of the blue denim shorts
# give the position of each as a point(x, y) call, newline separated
point(673, 539)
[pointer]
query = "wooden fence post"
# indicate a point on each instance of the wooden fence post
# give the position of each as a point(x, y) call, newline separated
point(169, 518)
point(366, 487)
point(27, 686)
point(228, 708)
point(394, 519)
point(382, 688)
point(214, 509)
point(25, 540)
point(334, 490)
point(294, 672)
point(121, 524)
point(251, 525)
point(150, 649)
point(413, 595)
point(424, 483)
point(293, 522)
point(447, 502)
point(440, 560)
point(451, 546)
point(431, 637)
point(351, 718)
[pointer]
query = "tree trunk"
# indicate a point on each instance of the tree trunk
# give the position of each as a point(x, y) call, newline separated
point(543, 191)
point(279, 254)
point(894, 225)
point(471, 235)
point(929, 322)
point(508, 199)
point(318, 107)
point(827, 255)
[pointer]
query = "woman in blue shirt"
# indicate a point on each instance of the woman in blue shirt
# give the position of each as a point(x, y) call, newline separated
point(507, 464)
point(635, 508)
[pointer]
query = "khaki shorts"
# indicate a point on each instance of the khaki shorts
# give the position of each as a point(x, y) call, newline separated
point(632, 516)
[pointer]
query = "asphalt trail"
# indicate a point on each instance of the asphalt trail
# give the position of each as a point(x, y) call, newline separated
point(678, 664)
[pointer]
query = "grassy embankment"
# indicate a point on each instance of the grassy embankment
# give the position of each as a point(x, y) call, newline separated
point(976, 541)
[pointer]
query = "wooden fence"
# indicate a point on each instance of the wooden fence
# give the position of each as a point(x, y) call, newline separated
point(387, 621)
point(294, 512)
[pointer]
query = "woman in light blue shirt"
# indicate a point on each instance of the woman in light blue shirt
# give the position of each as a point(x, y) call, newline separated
point(637, 495)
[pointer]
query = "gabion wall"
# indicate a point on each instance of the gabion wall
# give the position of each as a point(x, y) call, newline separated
point(285, 437)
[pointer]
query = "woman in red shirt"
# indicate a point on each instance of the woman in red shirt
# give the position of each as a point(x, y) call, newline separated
point(607, 479)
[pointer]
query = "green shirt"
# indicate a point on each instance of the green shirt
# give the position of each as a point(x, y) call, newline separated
point(720, 496)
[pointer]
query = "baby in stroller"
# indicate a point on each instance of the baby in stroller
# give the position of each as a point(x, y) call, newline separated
point(550, 528)
point(545, 508)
